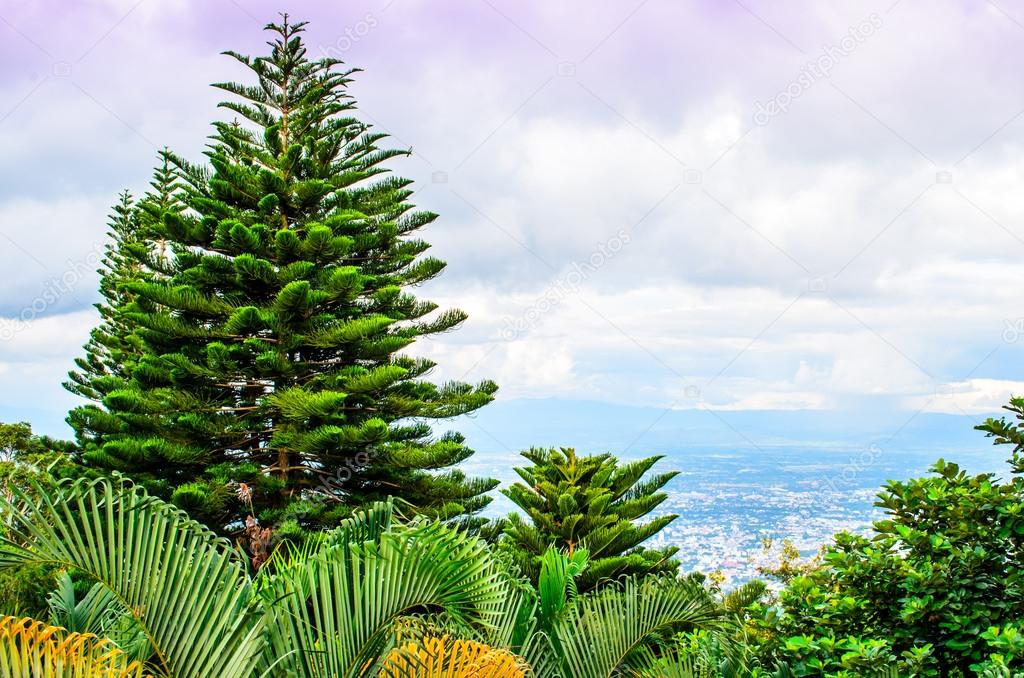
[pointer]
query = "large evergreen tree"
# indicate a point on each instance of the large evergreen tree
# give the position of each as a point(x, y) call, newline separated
point(272, 305)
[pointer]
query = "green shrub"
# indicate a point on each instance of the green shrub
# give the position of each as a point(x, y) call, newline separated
point(938, 585)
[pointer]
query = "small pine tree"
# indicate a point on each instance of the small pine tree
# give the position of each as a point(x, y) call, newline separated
point(114, 346)
point(105, 351)
point(273, 313)
point(571, 501)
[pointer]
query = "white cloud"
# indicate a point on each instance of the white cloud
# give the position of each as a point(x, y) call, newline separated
point(34, 362)
point(779, 400)
point(971, 397)
point(53, 249)
point(46, 338)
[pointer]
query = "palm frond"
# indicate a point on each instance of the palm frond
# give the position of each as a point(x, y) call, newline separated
point(611, 632)
point(98, 612)
point(337, 610)
point(31, 649)
point(446, 657)
point(186, 588)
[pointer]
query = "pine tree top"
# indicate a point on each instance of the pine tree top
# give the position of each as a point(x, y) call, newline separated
point(595, 502)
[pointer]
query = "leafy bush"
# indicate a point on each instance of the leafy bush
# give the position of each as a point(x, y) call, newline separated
point(937, 587)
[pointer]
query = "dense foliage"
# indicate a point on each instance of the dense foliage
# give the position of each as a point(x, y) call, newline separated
point(366, 598)
point(114, 347)
point(938, 586)
point(31, 648)
point(249, 359)
point(571, 501)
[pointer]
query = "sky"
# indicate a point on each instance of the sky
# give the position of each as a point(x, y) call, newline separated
point(719, 205)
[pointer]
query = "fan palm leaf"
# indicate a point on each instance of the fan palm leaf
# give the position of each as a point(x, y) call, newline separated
point(374, 595)
point(187, 590)
point(98, 612)
point(612, 632)
point(336, 611)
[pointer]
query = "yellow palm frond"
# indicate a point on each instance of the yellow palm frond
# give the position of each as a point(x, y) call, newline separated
point(32, 649)
point(444, 657)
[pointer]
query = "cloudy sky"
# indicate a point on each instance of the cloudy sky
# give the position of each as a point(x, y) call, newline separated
point(716, 204)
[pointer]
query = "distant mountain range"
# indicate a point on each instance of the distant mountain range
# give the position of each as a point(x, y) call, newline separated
point(512, 425)
point(499, 431)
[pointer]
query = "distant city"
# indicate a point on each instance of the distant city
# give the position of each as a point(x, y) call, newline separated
point(730, 500)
